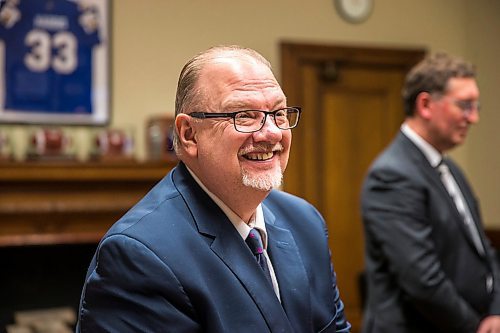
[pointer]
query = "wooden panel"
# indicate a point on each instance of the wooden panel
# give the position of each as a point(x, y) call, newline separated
point(356, 120)
point(352, 108)
point(65, 203)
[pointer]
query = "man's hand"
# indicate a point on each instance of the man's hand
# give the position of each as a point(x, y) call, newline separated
point(490, 324)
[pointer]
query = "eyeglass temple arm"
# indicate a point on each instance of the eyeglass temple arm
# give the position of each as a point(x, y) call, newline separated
point(203, 115)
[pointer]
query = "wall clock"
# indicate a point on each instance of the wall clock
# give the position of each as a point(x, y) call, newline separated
point(354, 11)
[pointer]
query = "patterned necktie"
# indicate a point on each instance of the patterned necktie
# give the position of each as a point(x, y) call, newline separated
point(254, 242)
point(455, 193)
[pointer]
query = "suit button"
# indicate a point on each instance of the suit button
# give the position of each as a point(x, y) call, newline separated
point(489, 284)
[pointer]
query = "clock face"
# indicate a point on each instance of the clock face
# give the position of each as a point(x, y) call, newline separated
point(354, 11)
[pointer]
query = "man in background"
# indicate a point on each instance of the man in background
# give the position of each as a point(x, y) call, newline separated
point(213, 247)
point(429, 266)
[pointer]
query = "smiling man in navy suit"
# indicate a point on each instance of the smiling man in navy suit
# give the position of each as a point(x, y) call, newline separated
point(178, 261)
point(429, 265)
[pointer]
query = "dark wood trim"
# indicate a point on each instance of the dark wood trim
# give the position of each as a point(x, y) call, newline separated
point(293, 58)
point(308, 71)
point(67, 202)
point(293, 54)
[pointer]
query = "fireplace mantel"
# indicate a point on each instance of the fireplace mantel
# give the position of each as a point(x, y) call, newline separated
point(49, 203)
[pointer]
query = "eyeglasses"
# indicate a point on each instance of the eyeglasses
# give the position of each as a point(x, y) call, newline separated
point(249, 121)
point(466, 105)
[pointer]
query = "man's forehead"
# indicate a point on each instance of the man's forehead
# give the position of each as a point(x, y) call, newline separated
point(238, 102)
point(235, 64)
point(228, 55)
point(232, 71)
point(461, 83)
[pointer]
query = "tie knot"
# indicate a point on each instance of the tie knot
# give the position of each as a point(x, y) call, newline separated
point(442, 167)
point(254, 242)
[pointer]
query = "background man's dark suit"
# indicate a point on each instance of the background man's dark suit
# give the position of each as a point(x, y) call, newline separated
point(425, 275)
point(218, 287)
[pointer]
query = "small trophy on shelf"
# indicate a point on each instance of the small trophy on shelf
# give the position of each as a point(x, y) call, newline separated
point(50, 144)
point(6, 153)
point(159, 138)
point(113, 145)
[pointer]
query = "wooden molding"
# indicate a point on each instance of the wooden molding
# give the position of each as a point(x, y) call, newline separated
point(67, 202)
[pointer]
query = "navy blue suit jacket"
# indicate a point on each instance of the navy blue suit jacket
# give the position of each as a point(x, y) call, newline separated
point(175, 263)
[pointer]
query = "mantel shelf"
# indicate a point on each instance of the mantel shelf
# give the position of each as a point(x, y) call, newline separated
point(44, 203)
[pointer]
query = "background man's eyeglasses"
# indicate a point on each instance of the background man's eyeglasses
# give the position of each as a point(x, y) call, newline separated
point(466, 105)
point(249, 121)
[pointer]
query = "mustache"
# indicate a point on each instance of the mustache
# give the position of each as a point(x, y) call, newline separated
point(260, 147)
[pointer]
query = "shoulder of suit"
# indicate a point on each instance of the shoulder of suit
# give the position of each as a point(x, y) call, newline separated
point(397, 164)
point(279, 195)
point(278, 198)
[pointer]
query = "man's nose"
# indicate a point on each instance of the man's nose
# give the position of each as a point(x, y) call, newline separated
point(270, 131)
point(473, 116)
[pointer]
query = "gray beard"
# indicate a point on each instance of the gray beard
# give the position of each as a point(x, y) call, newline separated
point(266, 182)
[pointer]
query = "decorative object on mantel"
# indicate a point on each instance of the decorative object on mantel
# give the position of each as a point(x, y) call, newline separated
point(6, 153)
point(113, 144)
point(49, 144)
point(159, 138)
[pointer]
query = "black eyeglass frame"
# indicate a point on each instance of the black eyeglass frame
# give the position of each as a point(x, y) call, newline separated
point(208, 115)
point(467, 106)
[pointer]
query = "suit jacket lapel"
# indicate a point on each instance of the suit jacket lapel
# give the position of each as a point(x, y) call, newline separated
point(290, 273)
point(433, 177)
point(469, 199)
point(466, 192)
point(419, 158)
point(228, 245)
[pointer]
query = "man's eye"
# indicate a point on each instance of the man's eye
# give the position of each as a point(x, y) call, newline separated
point(247, 115)
point(281, 113)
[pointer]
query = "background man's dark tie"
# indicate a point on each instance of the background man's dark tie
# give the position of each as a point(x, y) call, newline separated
point(457, 196)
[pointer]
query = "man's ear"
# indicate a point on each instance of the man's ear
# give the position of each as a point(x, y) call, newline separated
point(423, 105)
point(186, 133)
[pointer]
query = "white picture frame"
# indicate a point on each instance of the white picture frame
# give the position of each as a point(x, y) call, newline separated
point(54, 62)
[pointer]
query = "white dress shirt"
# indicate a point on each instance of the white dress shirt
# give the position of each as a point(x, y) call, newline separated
point(243, 228)
point(435, 158)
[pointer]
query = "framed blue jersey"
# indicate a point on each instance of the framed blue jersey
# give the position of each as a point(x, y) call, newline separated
point(54, 62)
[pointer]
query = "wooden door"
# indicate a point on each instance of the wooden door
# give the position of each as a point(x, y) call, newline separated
point(351, 99)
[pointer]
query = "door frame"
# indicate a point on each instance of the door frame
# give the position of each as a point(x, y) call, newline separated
point(295, 54)
point(305, 70)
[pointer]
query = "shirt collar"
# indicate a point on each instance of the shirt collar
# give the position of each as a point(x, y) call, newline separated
point(257, 220)
point(431, 153)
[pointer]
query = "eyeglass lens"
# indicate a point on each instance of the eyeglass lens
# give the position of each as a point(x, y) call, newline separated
point(467, 105)
point(250, 121)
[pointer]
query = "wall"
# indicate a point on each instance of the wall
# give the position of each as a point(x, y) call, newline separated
point(152, 39)
point(482, 161)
